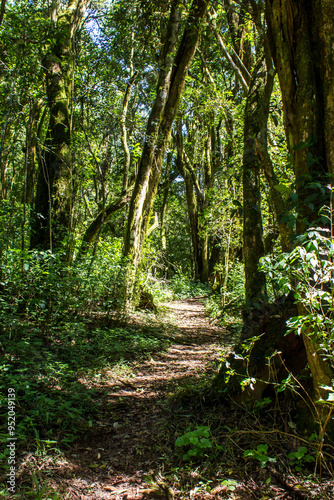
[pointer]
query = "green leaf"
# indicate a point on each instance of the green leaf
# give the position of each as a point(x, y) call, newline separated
point(262, 448)
point(281, 188)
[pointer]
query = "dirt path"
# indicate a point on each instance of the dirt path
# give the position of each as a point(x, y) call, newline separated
point(146, 407)
point(111, 465)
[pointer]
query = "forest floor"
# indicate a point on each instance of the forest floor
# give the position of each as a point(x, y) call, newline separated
point(129, 453)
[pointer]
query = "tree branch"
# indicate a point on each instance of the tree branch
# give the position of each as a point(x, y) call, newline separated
point(237, 65)
point(97, 223)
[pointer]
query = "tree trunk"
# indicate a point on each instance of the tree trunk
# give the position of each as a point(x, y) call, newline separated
point(302, 36)
point(95, 226)
point(279, 204)
point(6, 140)
point(163, 215)
point(31, 151)
point(127, 156)
point(192, 207)
point(255, 128)
point(172, 75)
point(53, 202)
point(302, 46)
point(2, 10)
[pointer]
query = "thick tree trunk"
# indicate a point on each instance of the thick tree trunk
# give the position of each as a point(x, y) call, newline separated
point(53, 202)
point(302, 36)
point(299, 35)
point(324, 31)
point(133, 237)
point(254, 375)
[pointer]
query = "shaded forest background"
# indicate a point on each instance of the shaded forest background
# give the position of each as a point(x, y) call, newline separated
point(156, 150)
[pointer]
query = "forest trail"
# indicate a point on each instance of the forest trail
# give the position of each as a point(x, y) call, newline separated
point(139, 432)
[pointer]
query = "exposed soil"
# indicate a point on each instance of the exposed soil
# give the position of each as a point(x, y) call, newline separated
point(110, 462)
point(136, 435)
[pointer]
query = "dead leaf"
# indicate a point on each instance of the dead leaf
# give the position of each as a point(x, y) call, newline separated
point(220, 489)
point(112, 489)
point(154, 493)
point(133, 497)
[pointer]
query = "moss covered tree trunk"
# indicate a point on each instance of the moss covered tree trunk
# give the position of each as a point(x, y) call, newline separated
point(163, 232)
point(53, 202)
point(32, 138)
point(255, 129)
point(302, 42)
point(301, 36)
point(174, 64)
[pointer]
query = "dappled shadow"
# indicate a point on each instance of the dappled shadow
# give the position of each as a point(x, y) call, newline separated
point(143, 412)
point(128, 419)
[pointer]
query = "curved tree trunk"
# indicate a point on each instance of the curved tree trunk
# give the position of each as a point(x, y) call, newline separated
point(172, 75)
point(95, 226)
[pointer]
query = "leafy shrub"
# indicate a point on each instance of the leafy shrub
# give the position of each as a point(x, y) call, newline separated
point(53, 400)
point(229, 300)
point(184, 288)
point(300, 457)
point(260, 454)
point(308, 271)
point(196, 442)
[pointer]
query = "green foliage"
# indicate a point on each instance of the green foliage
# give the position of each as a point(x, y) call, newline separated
point(260, 454)
point(183, 287)
point(41, 492)
point(308, 272)
point(54, 401)
point(233, 295)
point(197, 442)
point(54, 327)
point(230, 483)
point(300, 458)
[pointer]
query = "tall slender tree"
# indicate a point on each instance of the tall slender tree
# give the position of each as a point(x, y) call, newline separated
point(174, 63)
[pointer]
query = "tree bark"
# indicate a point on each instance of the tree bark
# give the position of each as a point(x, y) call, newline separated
point(124, 132)
point(2, 10)
point(302, 36)
point(164, 214)
point(302, 47)
point(172, 75)
point(31, 151)
point(255, 126)
point(192, 206)
point(95, 226)
point(53, 201)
